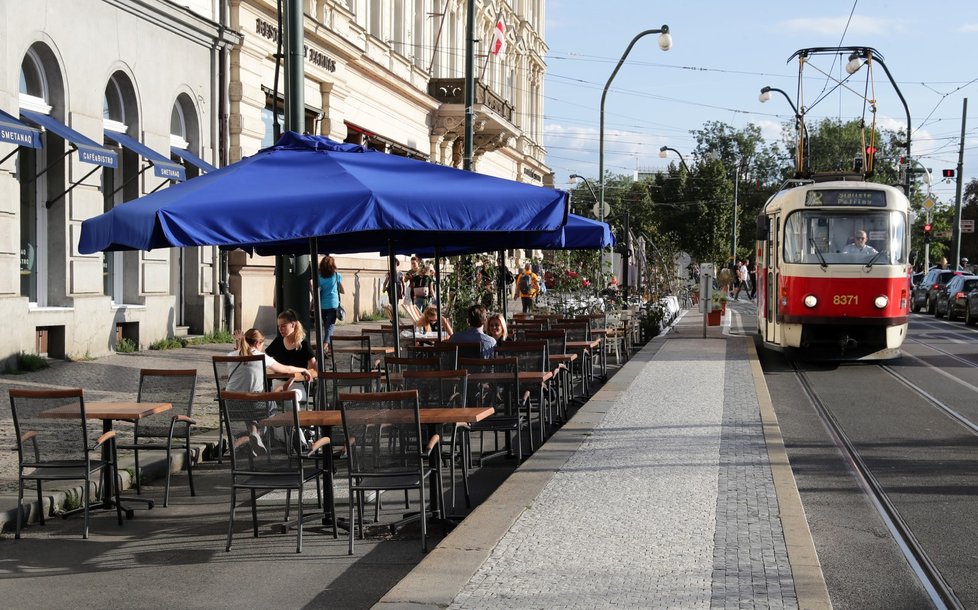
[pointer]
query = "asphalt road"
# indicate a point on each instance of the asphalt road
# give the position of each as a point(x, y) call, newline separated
point(924, 460)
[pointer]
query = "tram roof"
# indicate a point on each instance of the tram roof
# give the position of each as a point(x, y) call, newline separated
point(791, 197)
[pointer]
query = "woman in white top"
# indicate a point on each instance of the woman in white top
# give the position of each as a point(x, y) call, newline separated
point(250, 376)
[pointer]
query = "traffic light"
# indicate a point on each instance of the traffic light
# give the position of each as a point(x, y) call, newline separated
point(927, 229)
point(948, 173)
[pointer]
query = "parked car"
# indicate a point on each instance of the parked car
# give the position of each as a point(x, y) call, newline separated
point(971, 308)
point(950, 300)
point(924, 295)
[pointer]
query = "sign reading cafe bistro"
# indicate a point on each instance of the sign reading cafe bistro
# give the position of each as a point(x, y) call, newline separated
point(315, 57)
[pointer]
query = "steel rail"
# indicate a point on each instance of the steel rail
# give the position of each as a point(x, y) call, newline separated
point(923, 568)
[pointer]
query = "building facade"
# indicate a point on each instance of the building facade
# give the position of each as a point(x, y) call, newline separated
point(104, 101)
point(389, 74)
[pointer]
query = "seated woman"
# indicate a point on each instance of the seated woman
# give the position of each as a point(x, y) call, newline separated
point(429, 322)
point(250, 377)
point(291, 347)
point(496, 327)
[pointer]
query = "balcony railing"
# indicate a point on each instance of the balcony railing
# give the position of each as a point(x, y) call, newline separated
point(452, 91)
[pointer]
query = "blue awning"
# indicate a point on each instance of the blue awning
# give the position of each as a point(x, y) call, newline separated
point(15, 132)
point(88, 150)
point(162, 167)
point(192, 159)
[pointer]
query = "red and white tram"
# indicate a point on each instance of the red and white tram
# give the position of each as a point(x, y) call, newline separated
point(822, 293)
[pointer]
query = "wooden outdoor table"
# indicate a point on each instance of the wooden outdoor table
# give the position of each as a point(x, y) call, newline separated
point(108, 412)
point(525, 376)
point(297, 376)
point(429, 415)
point(374, 349)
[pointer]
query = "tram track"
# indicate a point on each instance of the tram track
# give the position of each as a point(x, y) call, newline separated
point(924, 569)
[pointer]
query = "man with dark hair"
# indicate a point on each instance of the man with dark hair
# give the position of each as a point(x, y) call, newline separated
point(476, 316)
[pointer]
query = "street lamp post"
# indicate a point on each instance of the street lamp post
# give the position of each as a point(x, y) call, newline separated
point(662, 155)
point(665, 43)
point(801, 159)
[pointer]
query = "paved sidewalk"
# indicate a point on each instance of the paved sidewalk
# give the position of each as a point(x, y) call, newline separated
point(669, 489)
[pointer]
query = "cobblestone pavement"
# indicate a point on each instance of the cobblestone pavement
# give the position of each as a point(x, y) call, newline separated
point(668, 504)
point(116, 377)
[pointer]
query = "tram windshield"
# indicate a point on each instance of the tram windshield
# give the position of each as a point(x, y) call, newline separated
point(845, 237)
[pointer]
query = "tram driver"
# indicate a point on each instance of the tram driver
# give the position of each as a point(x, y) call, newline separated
point(859, 245)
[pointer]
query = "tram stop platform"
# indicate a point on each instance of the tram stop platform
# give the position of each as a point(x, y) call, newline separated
point(670, 488)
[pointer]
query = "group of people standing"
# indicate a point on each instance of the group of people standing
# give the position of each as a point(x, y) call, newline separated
point(744, 279)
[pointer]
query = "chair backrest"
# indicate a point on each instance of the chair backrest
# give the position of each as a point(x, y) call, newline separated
point(446, 354)
point(238, 372)
point(525, 324)
point(175, 386)
point(469, 349)
point(368, 418)
point(380, 336)
point(50, 425)
point(532, 354)
point(337, 383)
point(351, 353)
point(501, 391)
point(438, 388)
point(577, 330)
point(397, 365)
point(556, 339)
point(244, 416)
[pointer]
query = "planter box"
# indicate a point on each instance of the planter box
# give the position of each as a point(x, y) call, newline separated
point(713, 318)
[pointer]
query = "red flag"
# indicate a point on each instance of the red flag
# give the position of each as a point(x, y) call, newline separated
point(497, 46)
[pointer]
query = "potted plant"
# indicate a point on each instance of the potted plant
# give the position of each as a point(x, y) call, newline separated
point(720, 301)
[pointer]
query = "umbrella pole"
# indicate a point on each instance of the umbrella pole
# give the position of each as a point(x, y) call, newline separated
point(438, 285)
point(318, 319)
point(392, 295)
point(501, 282)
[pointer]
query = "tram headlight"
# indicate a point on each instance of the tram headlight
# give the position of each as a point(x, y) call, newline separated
point(881, 302)
point(810, 301)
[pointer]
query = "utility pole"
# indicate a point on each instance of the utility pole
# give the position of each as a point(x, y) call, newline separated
point(294, 271)
point(957, 194)
point(469, 83)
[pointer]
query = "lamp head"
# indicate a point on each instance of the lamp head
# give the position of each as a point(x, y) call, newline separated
point(765, 95)
point(855, 62)
point(662, 153)
point(665, 40)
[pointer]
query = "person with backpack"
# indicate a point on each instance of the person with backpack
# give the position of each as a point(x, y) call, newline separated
point(527, 286)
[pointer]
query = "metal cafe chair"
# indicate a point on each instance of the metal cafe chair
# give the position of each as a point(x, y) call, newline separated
point(262, 463)
point(502, 392)
point(225, 367)
point(376, 465)
point(351, 353)
point(157, 432)
point(59, 449)
point(533, 358)
point(446, 389)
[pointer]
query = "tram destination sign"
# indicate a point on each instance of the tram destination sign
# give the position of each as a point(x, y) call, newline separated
point(854, 198)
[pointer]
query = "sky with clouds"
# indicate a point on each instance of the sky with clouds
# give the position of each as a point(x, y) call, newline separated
point(724, 52)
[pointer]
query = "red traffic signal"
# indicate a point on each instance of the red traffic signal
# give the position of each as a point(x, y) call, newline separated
point(870, 150)
point(948, 173)
point(927, 228)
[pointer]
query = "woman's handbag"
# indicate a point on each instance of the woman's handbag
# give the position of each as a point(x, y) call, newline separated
point(421, 292)
point(340, 312)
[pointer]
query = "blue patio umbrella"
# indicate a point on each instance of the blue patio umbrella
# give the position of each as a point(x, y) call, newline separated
point(311, 186)
point(308, 187)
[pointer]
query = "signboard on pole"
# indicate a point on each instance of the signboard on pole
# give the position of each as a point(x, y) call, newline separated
point(967, 226)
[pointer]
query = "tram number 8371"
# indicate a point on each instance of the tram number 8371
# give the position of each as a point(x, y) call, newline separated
point(845, 299)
